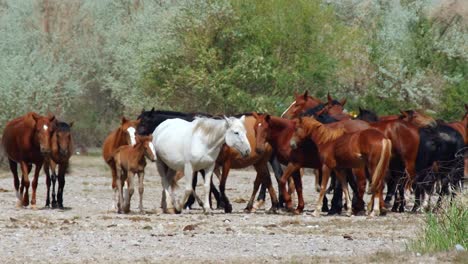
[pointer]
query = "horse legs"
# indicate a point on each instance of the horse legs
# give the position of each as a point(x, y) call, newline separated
point(141, 189)
point(47, 173)
point(323, 190)
point(16, 181)
point(361, 183)
point(341, 176)
point(290, 169)
point(257, 181)
point(62, 169)
point(337, 199)
point(37, 170)
point(24, 184)
point(222, 186)
point(119, 182)
point(297, 177)
point(130, 191)
point(209, 175)
point(167, 176)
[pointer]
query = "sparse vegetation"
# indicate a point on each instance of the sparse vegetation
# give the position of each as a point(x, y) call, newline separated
point(444, 229)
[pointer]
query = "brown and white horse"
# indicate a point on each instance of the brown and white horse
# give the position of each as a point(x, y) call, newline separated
point(26, 141)
point(123, 135)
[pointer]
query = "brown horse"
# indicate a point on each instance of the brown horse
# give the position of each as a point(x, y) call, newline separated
point(131, 159)
point(61, 151)
point(278, 132)
point(124, 135)
point(462, 128)
point(301, 103)
point(26, 141)
point(230, 158)
point(339, 151)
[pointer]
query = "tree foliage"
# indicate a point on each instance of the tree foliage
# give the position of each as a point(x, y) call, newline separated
point(93, 61)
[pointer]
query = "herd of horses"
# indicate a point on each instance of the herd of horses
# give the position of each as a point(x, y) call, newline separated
point(407, 151)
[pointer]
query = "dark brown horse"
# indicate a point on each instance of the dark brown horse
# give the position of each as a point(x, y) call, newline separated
point(338, 150)
point(123, 135)
point(26, 141)
point(61, 151)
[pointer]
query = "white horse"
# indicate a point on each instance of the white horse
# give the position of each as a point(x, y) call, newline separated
point(193, 146)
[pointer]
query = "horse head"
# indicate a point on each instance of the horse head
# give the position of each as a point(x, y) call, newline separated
point(43, 127)
point(367, 115)
point(62, 140)
point(418, 118)
point(261, 129)
point(236, 135)
point(129, 127)
point(302, 103)
point(147, 120)
point(147, 142)
point(335, 107)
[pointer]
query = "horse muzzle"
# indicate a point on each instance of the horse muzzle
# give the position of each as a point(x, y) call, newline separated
point(293, 144)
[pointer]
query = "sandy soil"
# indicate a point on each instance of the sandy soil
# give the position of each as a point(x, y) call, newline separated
point(88, 231)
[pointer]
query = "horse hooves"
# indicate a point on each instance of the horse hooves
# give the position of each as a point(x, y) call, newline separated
point(228, 209)
point(316, 213)
point(19, 204)
point(387, 205)
point(297, 211)
point(272, 210)
point(259, 204)
point(248, 210)
point(170, 211)
point(54, 204)
point(334, 212)
point(325, 208)
point(360, 213)
point(33, 207)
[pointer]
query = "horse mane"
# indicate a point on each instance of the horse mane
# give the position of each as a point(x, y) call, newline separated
point(321, 133)
point(208, 126)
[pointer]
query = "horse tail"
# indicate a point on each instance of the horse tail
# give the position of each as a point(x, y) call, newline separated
point(382, 165)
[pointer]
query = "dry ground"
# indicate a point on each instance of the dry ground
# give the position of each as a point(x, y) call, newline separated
point(88, 231)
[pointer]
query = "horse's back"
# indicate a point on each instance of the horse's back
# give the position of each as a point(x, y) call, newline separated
point(170, 139)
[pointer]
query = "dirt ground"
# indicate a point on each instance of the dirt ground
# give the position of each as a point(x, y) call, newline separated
point(88, 231)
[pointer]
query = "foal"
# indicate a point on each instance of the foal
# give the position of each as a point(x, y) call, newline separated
point(132, 159)
point(61, 145)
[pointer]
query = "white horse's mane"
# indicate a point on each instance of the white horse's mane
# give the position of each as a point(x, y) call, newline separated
point(212, 128)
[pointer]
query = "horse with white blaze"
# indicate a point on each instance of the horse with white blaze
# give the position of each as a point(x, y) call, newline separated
point(193, 146)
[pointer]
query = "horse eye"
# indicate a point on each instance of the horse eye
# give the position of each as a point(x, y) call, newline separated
point(236, 133)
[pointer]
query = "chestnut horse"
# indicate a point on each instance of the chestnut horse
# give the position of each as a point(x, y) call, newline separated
point(130, 159)
point(277, 132)
point(26, 141)
point(301, 103)
point(231, 158)
point(61, 151)
point(339, 151)
point(123, 135)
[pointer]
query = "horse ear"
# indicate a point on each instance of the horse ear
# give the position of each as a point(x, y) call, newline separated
point(360, 109)
point(124, 120)
point(404, 113)
point(242, 119)
point(306, 94)
point(267, 118)
point(228, 121)
point(254, 114)
point(152, 109)
point(142, 110)
point(343, 102)
point(51, 118)
point(466, 107)
point(330, 100)
point(71, 124)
